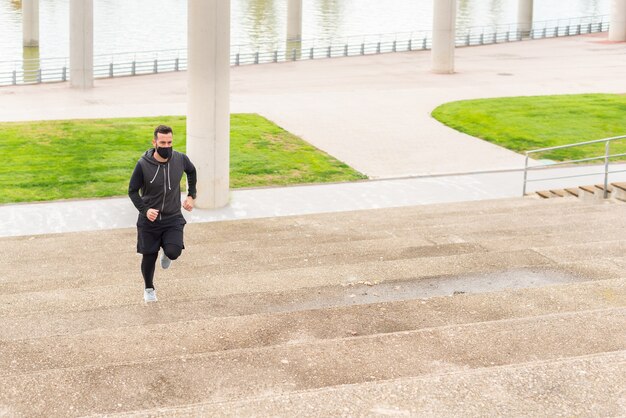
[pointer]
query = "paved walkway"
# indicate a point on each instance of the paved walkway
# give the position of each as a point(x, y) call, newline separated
point(100, 214)
point(372, 112)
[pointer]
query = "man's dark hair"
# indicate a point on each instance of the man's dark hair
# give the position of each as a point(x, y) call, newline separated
point(162, 129)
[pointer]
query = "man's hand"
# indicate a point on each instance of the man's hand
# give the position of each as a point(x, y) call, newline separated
point(188, 204)
point(152, 214)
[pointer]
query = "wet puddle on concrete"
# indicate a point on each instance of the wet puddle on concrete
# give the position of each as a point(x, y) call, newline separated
point(357, 293)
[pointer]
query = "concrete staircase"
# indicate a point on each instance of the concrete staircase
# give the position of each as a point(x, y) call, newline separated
point(509, 307)
point(586, 193)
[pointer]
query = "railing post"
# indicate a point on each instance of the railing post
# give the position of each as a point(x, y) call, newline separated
point(64, 74)
point(345, 50)
point(556, 32)
point(508, 36)
point(482, 38)
point(525, 175)
point(110, 69)
point(394, 46)
point(378, 48)
point(424, 43)
point(410, 45)
point(589, 28)
point(176, 64)
point(155, 69)
point(237, 59)
point(293, 54)
point(311, 53)
point(39, 78)
point(329, 52)
point(544, 33)
point(133, 68)
point(256, 57)
point(362, 48)
point(606, 169)
point(275, 56)
point(467, 40)
point(15, 76)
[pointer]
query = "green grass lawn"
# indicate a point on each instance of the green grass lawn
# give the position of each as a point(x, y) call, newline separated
point(526, 123)
point(95, 158)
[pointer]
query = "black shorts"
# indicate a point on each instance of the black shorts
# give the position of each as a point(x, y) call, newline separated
point(153, 235)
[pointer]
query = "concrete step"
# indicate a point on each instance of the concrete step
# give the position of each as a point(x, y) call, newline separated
point(82, 269)
point(273, 232)
point(619, 191)
point(545, 194)
point(195, 336)
point(584, 251)
point(65, 247)
point(412, 305)
point(198, 285)
point(586, 193)
point(529, 238)
point(584, 386)
point(235, 374)
point(31, 276)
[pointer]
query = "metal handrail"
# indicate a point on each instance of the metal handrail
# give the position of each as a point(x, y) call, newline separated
point(606, 157)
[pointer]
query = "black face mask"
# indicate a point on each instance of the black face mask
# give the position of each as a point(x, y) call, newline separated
point(164, 152)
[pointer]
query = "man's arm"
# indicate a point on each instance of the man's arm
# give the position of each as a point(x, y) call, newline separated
point(192, 178)
point(136, 181)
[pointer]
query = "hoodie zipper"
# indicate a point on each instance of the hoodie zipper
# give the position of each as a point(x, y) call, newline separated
point(164, 194)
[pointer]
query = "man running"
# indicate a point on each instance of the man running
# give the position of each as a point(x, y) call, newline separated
point(160, 223)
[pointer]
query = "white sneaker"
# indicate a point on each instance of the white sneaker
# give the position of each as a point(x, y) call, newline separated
point(165, 262)
point(149, 295)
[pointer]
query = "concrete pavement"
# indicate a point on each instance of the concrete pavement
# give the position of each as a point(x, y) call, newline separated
point(364, 312)
point(100, 214)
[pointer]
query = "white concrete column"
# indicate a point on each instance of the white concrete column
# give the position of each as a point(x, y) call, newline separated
point(31, 64)
point(617, 28)
point(81, 43)
point(294, 20)
point(294, 28)
point(444, 32)
point(208, 99)
point(525, 16)
point(30, 22)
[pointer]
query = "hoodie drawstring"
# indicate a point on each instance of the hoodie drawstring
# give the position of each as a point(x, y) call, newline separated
point(155, 174)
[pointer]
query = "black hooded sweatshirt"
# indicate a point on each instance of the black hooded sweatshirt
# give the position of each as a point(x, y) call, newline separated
point(160, 184)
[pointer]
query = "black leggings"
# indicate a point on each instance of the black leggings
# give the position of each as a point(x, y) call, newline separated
point(148, 262)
